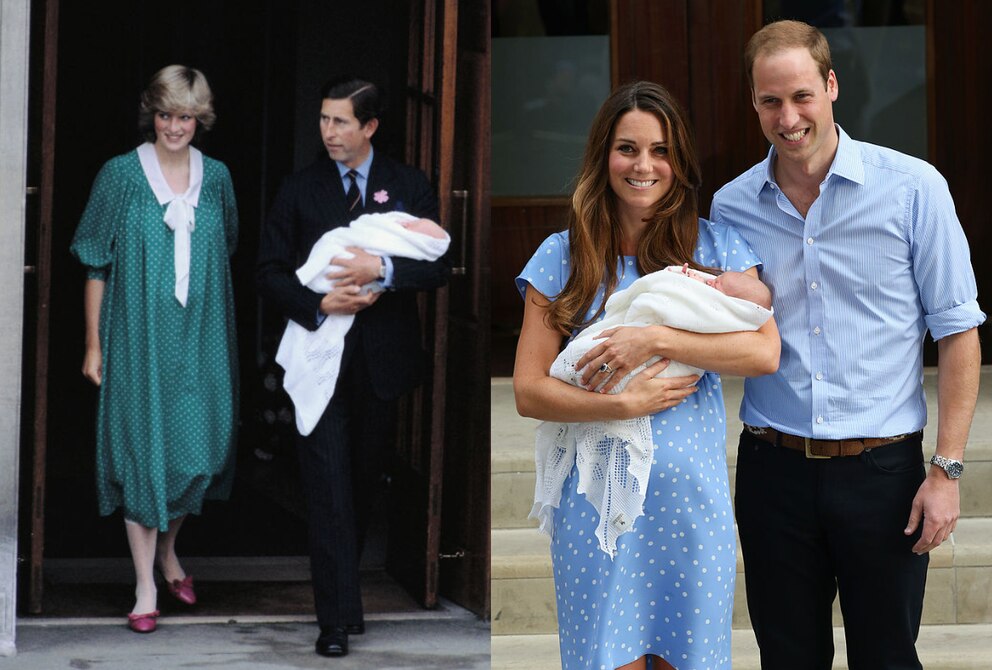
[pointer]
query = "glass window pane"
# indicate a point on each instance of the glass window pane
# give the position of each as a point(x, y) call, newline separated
point(550, 73)
point(545, 92)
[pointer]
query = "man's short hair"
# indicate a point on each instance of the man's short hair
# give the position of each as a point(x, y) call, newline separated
point(364, 96)
point(782, 35)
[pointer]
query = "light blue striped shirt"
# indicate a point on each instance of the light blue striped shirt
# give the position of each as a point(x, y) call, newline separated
point(879, 259)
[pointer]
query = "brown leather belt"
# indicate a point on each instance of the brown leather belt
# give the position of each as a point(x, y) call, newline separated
point(824, 448)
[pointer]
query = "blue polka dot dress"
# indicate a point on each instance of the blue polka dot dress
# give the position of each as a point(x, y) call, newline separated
point(670, 589)
point(169, 393)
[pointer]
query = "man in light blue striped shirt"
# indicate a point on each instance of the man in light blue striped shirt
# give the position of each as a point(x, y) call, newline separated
point(864, 253)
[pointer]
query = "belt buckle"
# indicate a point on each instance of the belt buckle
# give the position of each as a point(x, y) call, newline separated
point(810, 454)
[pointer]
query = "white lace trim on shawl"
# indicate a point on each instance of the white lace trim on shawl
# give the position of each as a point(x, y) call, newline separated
point(312, 359)
point(613, 458)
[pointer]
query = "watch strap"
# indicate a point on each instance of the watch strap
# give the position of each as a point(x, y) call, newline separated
point(952, 467)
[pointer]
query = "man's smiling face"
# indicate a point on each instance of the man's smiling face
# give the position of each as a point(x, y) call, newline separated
point(795, 106)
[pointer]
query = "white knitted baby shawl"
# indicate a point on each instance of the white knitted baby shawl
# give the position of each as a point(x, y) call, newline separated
point(613, 458)
point(312, 359)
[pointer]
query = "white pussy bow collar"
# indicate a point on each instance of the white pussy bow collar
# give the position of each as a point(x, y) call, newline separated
point(180, 215)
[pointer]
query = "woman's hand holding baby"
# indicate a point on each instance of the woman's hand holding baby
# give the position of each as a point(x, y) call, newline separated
point(647, 394)
point(624, 348)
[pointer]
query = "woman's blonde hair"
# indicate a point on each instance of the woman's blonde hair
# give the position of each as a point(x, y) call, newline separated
point(593, 224)
point(176, 88)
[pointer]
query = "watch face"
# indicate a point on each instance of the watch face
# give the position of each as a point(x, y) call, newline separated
point(954, 469)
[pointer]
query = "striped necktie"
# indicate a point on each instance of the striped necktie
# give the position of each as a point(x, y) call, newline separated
point(354, 196)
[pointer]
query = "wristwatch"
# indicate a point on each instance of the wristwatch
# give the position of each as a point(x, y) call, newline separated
point(382, 267)
point(953, 468)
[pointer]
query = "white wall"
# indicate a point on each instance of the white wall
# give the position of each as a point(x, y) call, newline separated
point(14, 26)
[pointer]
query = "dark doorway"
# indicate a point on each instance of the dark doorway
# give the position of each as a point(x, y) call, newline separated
point(265, 62)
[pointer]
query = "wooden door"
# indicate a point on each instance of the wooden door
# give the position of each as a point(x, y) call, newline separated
point(42, 145)
point(441, 543)
point(465, 535)
point(415, 490)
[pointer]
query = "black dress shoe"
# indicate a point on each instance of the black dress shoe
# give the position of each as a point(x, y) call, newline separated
point(355, 628)
point(332, 641)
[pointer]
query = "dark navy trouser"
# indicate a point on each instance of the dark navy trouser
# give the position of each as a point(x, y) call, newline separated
point(341, 464)
point(811, 529)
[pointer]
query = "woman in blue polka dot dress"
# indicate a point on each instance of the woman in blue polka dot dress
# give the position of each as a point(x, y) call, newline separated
point(156, 238)
point(665, 599)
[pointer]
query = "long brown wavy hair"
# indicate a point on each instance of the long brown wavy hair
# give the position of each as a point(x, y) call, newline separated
point(594, 225)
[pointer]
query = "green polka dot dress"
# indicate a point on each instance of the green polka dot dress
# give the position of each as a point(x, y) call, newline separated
point(169, 393)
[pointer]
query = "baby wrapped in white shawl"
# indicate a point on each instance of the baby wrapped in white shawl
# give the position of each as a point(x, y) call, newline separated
point(312, 359)
point(616, 456)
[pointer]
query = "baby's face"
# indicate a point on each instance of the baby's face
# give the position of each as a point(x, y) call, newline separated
point(718, 283)
point(743, 286)
point(734, 284)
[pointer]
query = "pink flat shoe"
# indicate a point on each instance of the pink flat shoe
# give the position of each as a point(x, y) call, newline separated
point(142, 623)
point(182, 590)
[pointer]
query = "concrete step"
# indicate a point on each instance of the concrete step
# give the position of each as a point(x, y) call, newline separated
point(513, 450)
point(959, 581)
point(511, 460)
point(512, 489)
point(523, 589)
point(941, 647)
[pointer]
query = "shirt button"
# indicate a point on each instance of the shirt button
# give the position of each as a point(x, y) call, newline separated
point(819, 419)
point(809, 240)
point(819, 376)
point(816, 331)
point(813, 285)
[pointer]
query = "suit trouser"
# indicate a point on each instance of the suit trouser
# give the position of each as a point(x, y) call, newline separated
point(341, 465)
point(811, 528)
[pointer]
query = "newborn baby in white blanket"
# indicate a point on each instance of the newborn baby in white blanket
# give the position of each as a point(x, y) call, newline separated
point(312, 359)
point(617, 455)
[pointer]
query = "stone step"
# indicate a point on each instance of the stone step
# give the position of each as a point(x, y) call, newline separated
point(941, 647)
point(959, 581)
point(512, 488)
point(513, 450)
point(523, 590)
point(511, 460)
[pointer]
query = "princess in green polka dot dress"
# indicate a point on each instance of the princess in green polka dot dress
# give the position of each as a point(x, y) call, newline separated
point(156, 238)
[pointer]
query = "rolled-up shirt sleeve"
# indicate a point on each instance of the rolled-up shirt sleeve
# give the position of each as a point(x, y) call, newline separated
point(942, 261)
point(955, 320)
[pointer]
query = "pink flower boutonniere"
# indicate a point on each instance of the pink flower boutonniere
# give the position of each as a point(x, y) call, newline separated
point(381, 196)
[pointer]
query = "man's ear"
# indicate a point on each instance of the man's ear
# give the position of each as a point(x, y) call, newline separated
point(832, 87)
point(370, 127)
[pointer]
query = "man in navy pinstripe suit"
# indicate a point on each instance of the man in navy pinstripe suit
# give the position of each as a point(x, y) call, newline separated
point(341, 460)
